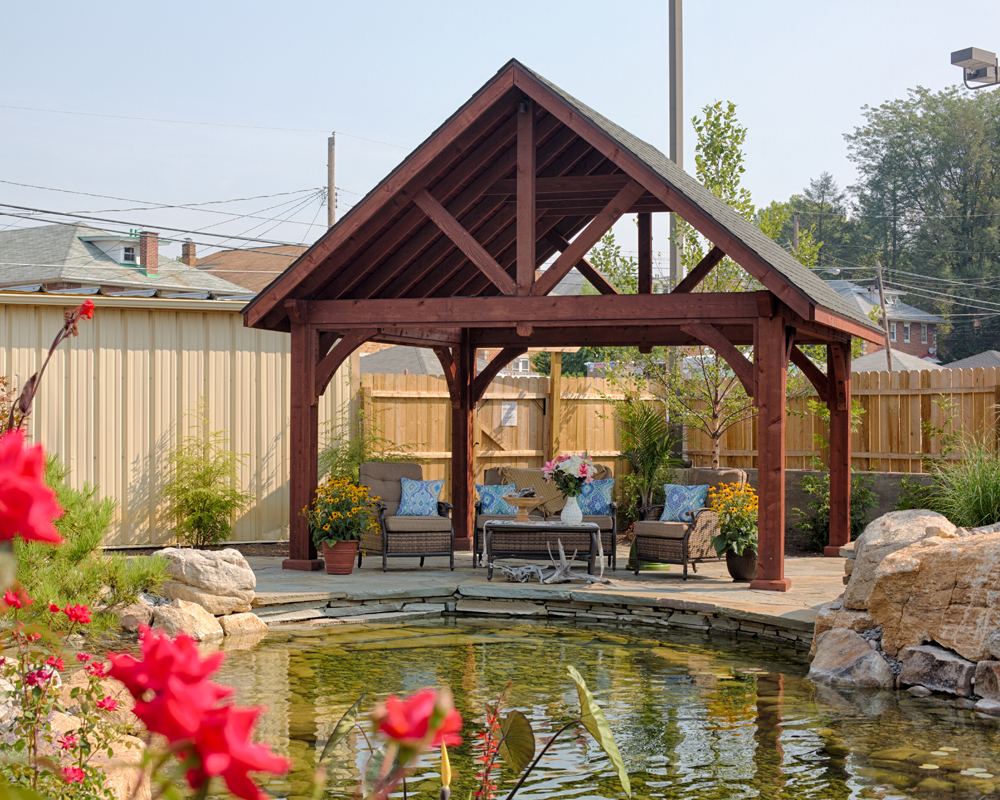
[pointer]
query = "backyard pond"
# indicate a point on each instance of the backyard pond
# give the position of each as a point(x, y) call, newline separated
point(694, 717)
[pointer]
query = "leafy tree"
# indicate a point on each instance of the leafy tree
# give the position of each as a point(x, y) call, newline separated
point(574, 365)
point(823, 207)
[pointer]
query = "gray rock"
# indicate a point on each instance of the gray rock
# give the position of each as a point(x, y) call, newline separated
point(993, 644)
point(844, 659)
point(919, 691)
point(132, 617)
point(242, 624)
point(988, 680)
point(188, 618)
point(220, 581)
point(988, 708)
point(938, 669)
point(515, 608)
point(885, 535)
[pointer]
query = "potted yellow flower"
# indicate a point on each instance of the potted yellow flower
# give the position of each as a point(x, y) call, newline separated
point(736, 505)
point(340, 513)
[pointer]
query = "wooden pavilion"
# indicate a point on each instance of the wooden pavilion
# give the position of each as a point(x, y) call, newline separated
point(443, 254)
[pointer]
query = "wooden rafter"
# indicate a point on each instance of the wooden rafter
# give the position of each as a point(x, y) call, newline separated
point(491, 370)
point(465, 241)
point(714, 338)
point(525, 267)
point(584, 267)
point(813, 374)
point(703, 267)
point(587, 238)
point(567, 185)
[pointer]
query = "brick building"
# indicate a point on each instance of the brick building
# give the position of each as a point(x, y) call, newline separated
point(911, 330)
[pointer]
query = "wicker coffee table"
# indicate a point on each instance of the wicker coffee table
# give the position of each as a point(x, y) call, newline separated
point(512, 539)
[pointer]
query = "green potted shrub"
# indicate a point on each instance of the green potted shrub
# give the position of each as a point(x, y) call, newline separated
point(340, 513)
point(736, 505)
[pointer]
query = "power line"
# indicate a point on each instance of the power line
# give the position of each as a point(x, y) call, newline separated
point(208, 124)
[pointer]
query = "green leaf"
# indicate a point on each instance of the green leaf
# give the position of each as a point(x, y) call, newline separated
point(17, 793)
point(377, 775)
point(342, 728)
point(593, 720)
point(517, 747)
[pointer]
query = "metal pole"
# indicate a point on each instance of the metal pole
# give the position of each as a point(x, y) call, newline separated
point(885, 317)
point(676, 124)
point(331, 189)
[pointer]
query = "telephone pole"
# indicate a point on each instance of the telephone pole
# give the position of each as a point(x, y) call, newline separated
point(676, 125)
point(331, 189)
point(885, 317)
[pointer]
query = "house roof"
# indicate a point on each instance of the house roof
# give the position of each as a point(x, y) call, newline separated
point(380, 250)
point(400, 358)
point(988, 358)
point(859, 296)
point(901, 362)
point(49, 254)
point(251, 269)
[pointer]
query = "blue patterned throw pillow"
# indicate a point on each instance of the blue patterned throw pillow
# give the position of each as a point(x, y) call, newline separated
point(680, 501)
point(420, 498)
point(492, 498)
point(595, 497)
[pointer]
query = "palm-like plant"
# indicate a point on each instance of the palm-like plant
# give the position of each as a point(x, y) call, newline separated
point(647, 441)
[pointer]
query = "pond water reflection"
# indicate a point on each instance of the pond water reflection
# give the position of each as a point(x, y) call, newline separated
point(693, 716)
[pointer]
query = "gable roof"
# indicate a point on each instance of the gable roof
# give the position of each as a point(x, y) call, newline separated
point(861, 297)
point(988, 358)
point(48, 254)
point(385, 231)
point(251, 269)
point(901, 362)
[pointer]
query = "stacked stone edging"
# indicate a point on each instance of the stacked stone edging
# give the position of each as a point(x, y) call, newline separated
point(324, 609)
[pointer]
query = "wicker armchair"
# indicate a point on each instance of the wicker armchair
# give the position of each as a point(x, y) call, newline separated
point(402, 537)
point(682, 542)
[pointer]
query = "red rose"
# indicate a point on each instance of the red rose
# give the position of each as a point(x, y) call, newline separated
point(98, 669)
point(224, 748)
point(52, 661)
point(107, 704)
point(162, 658)
point(54, 608)
point(424, 719)
point(73, 775)
point(86, 309)
point(27, 505)
point(18, 599)
point(84, 657)
point(68, 742)
point(79, 614)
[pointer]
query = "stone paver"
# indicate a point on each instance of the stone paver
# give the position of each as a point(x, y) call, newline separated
point(814, 581)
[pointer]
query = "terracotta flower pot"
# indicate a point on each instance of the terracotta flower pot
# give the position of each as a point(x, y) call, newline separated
point(742, 568)
point(340, 557)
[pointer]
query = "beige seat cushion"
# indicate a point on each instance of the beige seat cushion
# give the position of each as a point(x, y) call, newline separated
point(383, 481)
point(482, 519)
point(603, 521)
point(715, 477)
point(417, 524)
point(661, 530)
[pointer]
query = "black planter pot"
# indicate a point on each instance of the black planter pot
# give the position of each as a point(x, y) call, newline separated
point(742, 568)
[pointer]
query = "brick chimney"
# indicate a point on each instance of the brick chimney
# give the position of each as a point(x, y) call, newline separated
point(149, 252)
point(188, 253)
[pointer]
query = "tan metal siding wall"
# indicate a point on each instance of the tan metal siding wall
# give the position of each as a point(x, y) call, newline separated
point(112, 400)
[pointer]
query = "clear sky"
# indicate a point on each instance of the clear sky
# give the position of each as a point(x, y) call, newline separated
point(799, 72)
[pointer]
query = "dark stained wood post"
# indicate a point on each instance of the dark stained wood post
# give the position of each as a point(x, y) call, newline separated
point(525, 196)
point(304, 447)
point(463, 409)
point(645, 253)
point(839, 402)
point(770, 355)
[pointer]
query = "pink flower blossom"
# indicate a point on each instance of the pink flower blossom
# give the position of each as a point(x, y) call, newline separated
point(27, 505)
point(98, 669)
point(18, 599)
point(73, 775)
point(107, 704)
point(68, 742)
point(38, 677)
point(54, 608)
point(53, 661)
point(79, 613)
point(83, 657)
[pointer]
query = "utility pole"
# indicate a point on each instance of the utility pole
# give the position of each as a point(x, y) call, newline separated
point(795, 233)
point(331, 189)
point(676, 125)
point(885, 317)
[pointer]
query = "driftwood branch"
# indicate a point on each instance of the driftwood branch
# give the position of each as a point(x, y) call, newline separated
point(561, 572)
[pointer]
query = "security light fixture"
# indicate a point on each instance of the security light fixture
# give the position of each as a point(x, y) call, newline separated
point(978, 66)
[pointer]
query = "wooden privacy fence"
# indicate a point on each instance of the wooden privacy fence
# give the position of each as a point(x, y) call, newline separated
point(513, 421)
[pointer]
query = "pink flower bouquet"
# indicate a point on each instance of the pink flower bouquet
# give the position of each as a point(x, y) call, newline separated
point(570, 473)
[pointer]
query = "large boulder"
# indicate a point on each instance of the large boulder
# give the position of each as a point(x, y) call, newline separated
point(988, 680)
point(943, 589)
point(885, 535)
point(844, 659)
point(220, 581)
point(242, 624)
point(937, 669)
point(188, 618)
point(833, 615)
